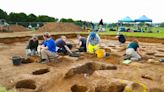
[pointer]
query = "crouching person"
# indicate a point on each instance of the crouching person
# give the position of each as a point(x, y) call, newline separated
point(82, 43)
point(32, 45)
point(121, 38)
point(63, 46)
point(47, 49)
point(133, 51)
point(93, 42)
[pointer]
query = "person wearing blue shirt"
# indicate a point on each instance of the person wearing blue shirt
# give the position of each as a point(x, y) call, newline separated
point(48, 48)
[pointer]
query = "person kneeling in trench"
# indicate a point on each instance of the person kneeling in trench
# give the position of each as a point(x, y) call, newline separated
point(133, 51)
point(63, 47)
point(82, 43)
point(32, 45)
point(121, 38)
point(93, 42)
point(47, 49)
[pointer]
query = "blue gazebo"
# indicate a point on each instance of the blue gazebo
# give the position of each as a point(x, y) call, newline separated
point(143, 19)
point(126, 19)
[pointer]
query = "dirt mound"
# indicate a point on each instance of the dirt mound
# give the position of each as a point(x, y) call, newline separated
point(17, 28)
point(60, 27)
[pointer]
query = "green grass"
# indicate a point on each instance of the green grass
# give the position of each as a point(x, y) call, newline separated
point(133, 34)
point(139, 34)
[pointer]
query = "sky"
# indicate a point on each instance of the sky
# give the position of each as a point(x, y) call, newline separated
point(88, 10)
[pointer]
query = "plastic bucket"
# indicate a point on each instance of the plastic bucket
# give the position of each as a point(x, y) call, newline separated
point(100, 53)
point(16, 60)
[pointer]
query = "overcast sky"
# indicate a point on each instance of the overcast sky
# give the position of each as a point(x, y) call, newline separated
point(89, 10)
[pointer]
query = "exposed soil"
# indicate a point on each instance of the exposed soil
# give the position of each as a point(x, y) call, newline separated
point(77, 88)
point(88, 69)
point(59, 27)
point(17, 28)
point(27, 84)
point(25, 36)
point(87, 73)
point(40, 71)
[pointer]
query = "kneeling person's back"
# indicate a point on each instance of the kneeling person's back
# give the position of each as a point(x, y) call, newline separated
point(60, 43)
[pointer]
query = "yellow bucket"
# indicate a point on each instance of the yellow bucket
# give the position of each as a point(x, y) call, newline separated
point(100, 53)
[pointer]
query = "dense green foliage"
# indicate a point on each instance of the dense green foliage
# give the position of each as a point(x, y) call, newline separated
point(32, 19)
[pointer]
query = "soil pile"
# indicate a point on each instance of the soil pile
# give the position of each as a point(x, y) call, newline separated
point(17, 28)
point(60, 27)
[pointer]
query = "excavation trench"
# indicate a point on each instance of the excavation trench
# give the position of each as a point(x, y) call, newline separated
point(40, 71)
point(26, 84)
point(77, 88)
point(86, 68)
point(9, 40)
point(111, 86)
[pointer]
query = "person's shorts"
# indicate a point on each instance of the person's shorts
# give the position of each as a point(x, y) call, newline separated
point(92, 48)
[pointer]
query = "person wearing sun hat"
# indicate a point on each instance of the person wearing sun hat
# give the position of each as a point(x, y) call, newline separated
point(93, 42)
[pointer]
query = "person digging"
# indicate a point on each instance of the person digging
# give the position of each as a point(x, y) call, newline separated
point(81, 43)
point(133, 51)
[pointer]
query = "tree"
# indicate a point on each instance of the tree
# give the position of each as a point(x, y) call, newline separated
point(31, 18)
point(22, 17)
point(78, 22)
point(162, 24)
point(70, 20)
point(113, 25)
point(67, 20)
point(13, 17)
point(17, 17)
point(141, 24)
point(63, 20)
point(44, 18)
point(3, 15)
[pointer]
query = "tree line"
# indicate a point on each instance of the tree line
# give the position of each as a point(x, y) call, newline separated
point(32, 19)
point(24, 19)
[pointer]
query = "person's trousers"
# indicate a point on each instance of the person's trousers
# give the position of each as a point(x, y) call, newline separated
point(46, 54)
point(31, 52)
point(92, 48)
point(133, 54)
point(63, 50)
point(82, 49)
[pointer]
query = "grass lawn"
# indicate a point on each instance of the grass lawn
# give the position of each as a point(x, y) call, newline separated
point(139, 34)
point(133, 34)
